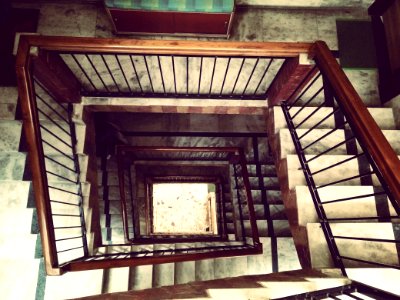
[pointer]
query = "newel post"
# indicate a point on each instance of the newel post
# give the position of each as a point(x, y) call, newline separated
point(294, 74)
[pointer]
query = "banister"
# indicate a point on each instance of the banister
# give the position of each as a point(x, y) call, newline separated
point(361, 121)
point(36, 159)
point(172, 47)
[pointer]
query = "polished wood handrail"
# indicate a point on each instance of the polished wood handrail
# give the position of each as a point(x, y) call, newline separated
point(36, 157)
point(358, 116)
point(137, 261)
point(168, 47)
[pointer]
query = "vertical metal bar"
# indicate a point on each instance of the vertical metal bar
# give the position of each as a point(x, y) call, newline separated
point(238, 75)
point(226, 72)
point(136, 73)
point(161, 73)
point(187, 75)
point(98, 74)
point(201, 67)
point(267, 212)
point(148, 73)
point(109, 71)
point(262, 77)
point(123, 73)
point(314, 195)
point(212, 75)
point(251, 75)
point(84, 72)
point(173, 70)
point(239, 203)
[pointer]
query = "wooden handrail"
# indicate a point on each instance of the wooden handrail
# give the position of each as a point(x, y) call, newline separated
point(36, 158)
point(171, 47)
point(361, 121)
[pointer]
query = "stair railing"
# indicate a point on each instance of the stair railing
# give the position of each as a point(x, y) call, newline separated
point(357, 135)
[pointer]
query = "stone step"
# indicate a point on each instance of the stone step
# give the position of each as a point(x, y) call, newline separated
point(204, 269)
point(365, 82)
point(26, 244)
point(276, 120)
point(261, 263)
point(16, 221)
point(291, 176)
point(114, 207)
point(301, 207)
point(277, 212)
point(115, 220)
point(74, 285)
point(112, 177)
point(366, 250)
point(281, 228)
point(53, 165)
point(14, 194)
point(163, 274)
point(113, 192)
point(266, 170)
point(12, 165)
point(62, 134)
point(10, 132)
point(230, 266)
point(269, 182)
point(116, 235)
point(8, 102)
point(184, 272)
point(285, 144)
point(141, 277)
point(115, 280)
point(26, 270)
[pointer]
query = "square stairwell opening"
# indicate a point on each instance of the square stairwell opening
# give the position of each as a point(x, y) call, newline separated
point(182, 208)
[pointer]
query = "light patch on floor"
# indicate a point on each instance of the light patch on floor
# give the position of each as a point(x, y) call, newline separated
point(183, 208)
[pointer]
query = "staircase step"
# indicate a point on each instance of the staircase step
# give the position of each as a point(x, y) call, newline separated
point(7, 111)
point(10, 132)
point(287, 255)
point(285, 144)
point(204, 269)
point(281, 228)
point(163, 274)
point(63, 134)
point(115, 280)
point(301, 206)
point(291, 175)
point(53, 165)
point(26, 270)
point(371, 251)
point(184, 271)
point(14, 194)
point(365, 82)
point(12, 165)
point(114, 207)
point(141, 277)
point(266, 170)
point(230, 266)
point(113, 192)
point(276, 120)
point(261, 263)
point(17, 221)
point(74, 285)
point(112, 177)
point(25, 249)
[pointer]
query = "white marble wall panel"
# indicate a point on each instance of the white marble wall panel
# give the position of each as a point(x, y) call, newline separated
point(67, 20)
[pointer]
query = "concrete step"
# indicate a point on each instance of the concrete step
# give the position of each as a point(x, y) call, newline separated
point(74, 285)
point(141, 277)
point(285, 144)
point(10, 132)
point(26, 245)
point(204, 269)
point(301, 207)
point(115, 280)
point(266, 170)
point(277, 212)
point(16, 221)
point(114, 207)
point(112, 177)
point(230, 266)
point(184, 271)
point(276, 120)
point(163, 274)
point(12, 165)
point(113, 192)
point(62, 133)
point(261, 263)
point(8, 102)
point(281, 228)
point(291, 176)
point(23, 269)
point(14, 194)
point(64, 166)
point(371, 251)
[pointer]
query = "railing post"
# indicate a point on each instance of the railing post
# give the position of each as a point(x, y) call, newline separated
point(291, 78)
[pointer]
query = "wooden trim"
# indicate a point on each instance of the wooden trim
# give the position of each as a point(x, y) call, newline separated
point(289, 81)
point(131, 262)
point(170, 47)
point(55, 75)
point(36, 159)
point(361, 121)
